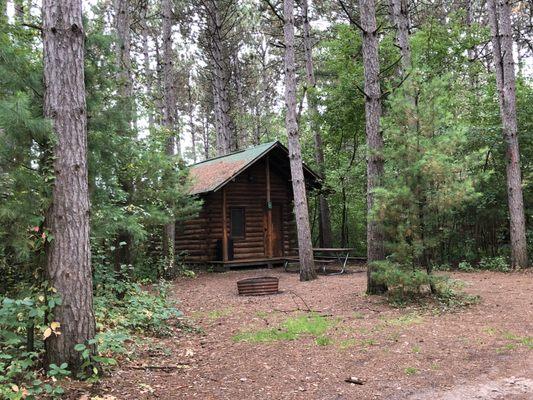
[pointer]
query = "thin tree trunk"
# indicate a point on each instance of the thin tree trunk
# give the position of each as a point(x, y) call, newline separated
point(19, 11)
point(374, 139)
point(123, 242)
point(68, 261)
point(221, 74)
point(502, 43)
point(400, 16)
point(324, 224)
point(147, 70)
point(169, 119)
point(191, 117)
point(125, 81)
point(206, 136)
point(305, 250)
point(159, 96)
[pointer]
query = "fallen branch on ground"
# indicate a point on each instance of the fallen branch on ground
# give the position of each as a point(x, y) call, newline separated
point(161, 367)
point(353, 379)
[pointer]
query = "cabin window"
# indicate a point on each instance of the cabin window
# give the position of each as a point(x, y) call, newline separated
point(238, 222)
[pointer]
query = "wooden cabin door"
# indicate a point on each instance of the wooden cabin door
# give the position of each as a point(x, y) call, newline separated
point(277, 230)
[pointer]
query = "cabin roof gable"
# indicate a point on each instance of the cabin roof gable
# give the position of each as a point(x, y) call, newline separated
point(211, 175)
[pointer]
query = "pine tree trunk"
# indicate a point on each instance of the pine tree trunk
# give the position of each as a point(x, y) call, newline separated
point(125, 81)
point(169, 121)
point(19, 11)
point(220, 70)
point(191, 117)
point(147, 70)
point(324, 225)
point(68, 261)
point(305, 249)
point(374, 139)
point(205, 136)
point(502, 43)
point(125, 105)
point(400, 16)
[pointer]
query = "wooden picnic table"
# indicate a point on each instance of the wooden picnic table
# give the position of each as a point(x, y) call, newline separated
point(340, 253)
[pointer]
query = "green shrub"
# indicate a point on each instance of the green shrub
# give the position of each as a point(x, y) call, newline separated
point(405, 281)
point(22, 330)
point(494, 264)
point(465, 266)
point(138, 311)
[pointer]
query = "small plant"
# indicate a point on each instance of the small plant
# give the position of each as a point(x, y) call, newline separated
point(410, 371)
point(358, 315)
point(489, 330)
point(443, 267)
point(323, 341)
point(416, 349)
point(368, 342)
point(347, 343)
point(216, 314)
point(494, 264)
point(465, 266)
point(406, 320)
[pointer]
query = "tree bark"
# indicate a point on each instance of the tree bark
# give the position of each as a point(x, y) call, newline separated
point(502, 43)
point(205, 136)
point(68, 261)
point(192, 127)
point(125, 105)
point(324, 224)
point(19, 11)
point(305, 249)
point(122, 27)
point(374, 139)
point(221, 74)
point(146, 65)
point(400, 17)
point(169, 121)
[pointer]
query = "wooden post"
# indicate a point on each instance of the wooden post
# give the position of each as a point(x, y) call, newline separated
point(269, 209)
point(224, 227)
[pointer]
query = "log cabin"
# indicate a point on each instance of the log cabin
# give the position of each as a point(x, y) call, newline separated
point(246, 217)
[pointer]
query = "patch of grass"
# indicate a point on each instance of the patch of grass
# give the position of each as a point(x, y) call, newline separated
point(290, 329)
point(489, 330)
point(435, 366)
point(507, 347)
point(216, 314)
point(368, 342)
point(406, 320)
point(517, 340)
point(261, 314)
point(416, 349)
point(395, 336)
point(410, 371)
point(358, 315)
point(347, 343)
point(323, 341)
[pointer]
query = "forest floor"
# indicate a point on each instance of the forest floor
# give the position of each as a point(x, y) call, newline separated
point(483, 351)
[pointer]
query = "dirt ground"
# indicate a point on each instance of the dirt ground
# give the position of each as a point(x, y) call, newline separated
point(483, 351)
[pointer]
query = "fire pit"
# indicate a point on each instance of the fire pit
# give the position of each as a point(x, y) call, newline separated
point(259, 286)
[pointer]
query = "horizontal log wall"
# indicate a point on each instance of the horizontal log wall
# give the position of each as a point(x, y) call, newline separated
point(197, 237)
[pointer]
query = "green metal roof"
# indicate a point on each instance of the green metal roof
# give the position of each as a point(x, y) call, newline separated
point(210, 175)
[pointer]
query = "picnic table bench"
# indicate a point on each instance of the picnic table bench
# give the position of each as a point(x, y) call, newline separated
point(324, 256)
